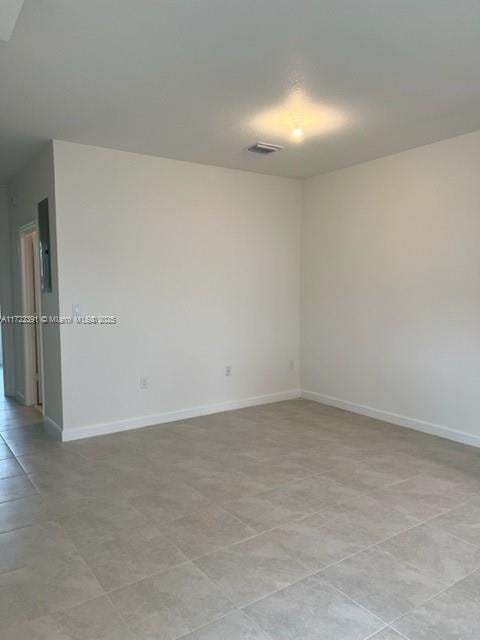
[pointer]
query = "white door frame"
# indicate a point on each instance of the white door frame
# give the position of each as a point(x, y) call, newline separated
point(31, 298)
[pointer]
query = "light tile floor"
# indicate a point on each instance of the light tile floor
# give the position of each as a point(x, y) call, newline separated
point(286, 521)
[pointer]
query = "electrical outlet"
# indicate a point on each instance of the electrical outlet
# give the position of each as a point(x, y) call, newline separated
point(228, 370)
point(144, 382)
point(292, 365)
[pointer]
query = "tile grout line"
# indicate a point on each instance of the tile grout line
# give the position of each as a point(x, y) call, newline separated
point(317, 573)
point(300, 519)
point(401, 635)
point(428, 600)
point(314, 513)
point(121, 616)
point(366, 493)
point(236, 610)
point(257, 534)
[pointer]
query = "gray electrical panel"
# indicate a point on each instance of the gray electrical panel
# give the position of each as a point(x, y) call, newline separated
point(45, 257)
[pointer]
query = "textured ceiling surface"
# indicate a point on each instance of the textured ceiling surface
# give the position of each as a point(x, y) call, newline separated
point(201, 80)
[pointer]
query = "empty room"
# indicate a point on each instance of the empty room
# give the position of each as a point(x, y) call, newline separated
point(239, 320)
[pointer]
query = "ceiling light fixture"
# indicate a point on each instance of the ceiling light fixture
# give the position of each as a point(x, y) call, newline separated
point(297, 134)
point(297, 117)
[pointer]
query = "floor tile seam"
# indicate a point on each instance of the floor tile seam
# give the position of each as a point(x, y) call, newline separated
point(464, 503)
point(257, 493)
point(36, 492)
point(411, 566)
point(290, 481)
point(459, 538)
point(237, 610)
point(121, 617)
point(217, 505)
point(122, 502)
point(39, 523)
point(315, 574)
point(260, 533)
point(10, 430)
point(15, 475)
point(430, 599)
point(68, 554)
point(24, 526)
point(346, 501)
point(305, 517)
point(457, 505)
point(239, 542)
point(327, 507)
point(287, 523)
point(387, 622)
point(58, 612)
point(257, 625)
point(39, 455)
point(134, 582)
point(375, 545)
point(310, 574)
point(156, 574)
point(9, 448)
point(257, 534)
point(4, 428)
point(232, 610)
point(372, 490)
point(474, 545)
point(31, 564)
point(349, 597)
point(372, 635)
point(388, 484)
point(402, 635)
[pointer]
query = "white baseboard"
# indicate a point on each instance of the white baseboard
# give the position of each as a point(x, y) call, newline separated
point(19, 397)
point(77, 433)
point(394, 418)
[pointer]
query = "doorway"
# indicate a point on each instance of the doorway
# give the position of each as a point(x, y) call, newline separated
point(31, 302)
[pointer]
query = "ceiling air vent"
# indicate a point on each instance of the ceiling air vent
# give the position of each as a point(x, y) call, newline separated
point(264, 148)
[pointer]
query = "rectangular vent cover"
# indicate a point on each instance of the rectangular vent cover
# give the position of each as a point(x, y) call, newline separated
point(264, 148)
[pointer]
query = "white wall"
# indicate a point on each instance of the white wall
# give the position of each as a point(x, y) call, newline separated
point(202, 267)
point(7, 348)
point(27, 189)
point(391, 288)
